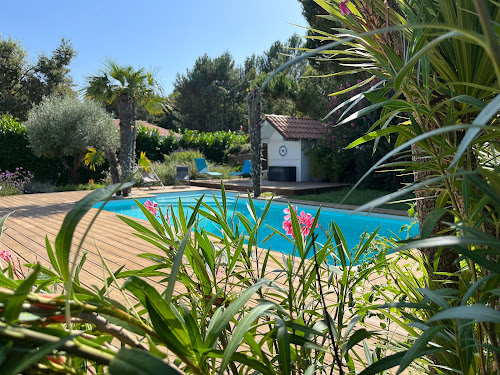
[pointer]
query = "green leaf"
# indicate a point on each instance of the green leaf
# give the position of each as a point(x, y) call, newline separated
point(140, 362)
point(482, 119)
point(2, 222)
point(418, 348)
point(383, 364)
point(284, 357)
point(218, 325)
point(176, 266)
point(7, 282)
point(252, 363)
point(167, 324)
point(34, 356)
point(52, 256)
point(242, 328)
point(467, 99)
point(350, 88)
point(15, 304)
point(355, 338)
point(73, 217)
point(431, 220)
point(421, 52)
point(478, 313)
point(373, 135)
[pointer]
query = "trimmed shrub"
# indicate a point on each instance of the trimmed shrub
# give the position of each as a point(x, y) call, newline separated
point(149, 141)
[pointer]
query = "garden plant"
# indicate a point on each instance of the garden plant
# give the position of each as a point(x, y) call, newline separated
point(217, 303)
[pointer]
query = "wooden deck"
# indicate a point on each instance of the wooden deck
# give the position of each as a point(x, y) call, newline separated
point(36, 216)
point(277, 187)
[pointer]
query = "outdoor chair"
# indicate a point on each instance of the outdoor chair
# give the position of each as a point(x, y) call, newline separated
point(149, 177)
point(245, 171)
point(181, 174)
point(201, 165)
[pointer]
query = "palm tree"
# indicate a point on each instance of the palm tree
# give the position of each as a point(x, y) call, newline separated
point(125, 88)
point(438, 77)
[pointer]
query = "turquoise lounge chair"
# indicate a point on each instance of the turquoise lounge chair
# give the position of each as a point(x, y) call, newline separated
point(246, 171)
point(201, 164)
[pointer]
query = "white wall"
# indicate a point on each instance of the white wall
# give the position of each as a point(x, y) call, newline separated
point(293, 157)
point(305, 162)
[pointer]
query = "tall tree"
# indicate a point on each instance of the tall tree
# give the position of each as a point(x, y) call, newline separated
point(210, 97)
point(126, 88)
point(24, 84)
point(319, 28)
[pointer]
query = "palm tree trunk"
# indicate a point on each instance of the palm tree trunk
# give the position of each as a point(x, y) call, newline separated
point(113, 165)
point(127, 116)
point(255, 137)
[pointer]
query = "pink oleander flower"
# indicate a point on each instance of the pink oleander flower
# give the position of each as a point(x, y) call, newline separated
point(287, 212)
point(6, 256)
point(287, 226)
point(151, 207)
point(344, 10)
point(305, 219)
point(305, 230)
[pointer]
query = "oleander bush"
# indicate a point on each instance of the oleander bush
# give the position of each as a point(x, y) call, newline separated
point(215, 311)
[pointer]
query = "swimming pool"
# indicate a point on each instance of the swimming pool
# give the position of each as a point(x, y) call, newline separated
point(352, 225)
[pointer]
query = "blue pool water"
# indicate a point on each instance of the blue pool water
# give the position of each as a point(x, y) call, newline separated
point(352, 225)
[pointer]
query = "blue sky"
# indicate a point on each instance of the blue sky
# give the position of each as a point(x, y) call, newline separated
point(166, 36)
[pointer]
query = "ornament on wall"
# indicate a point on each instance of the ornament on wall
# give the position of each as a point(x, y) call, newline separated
point(282, 150)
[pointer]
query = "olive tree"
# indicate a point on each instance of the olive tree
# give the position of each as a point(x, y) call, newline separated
point(67, 127)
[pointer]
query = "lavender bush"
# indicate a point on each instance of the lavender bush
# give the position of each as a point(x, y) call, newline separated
point(12, 183)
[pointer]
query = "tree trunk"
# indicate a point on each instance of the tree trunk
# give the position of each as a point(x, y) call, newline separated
point(426, 203)
point(73, 169)
point(254, 126)
point(127, 116)
point(113, 165)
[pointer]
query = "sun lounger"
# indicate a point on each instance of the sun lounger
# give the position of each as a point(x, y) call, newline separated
point(202, 166)
point(246, 171)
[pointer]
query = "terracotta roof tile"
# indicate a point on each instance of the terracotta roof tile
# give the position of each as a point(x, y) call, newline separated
point(296, 127)
point(161, 131)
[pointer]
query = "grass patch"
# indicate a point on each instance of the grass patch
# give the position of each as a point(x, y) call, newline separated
point(79, 187)
point(357, 198)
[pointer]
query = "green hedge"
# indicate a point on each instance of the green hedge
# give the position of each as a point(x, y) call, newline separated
point(15, 151)
point(212, 145)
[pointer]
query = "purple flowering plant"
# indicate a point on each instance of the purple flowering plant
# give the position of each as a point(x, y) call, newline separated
point(12, 183)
